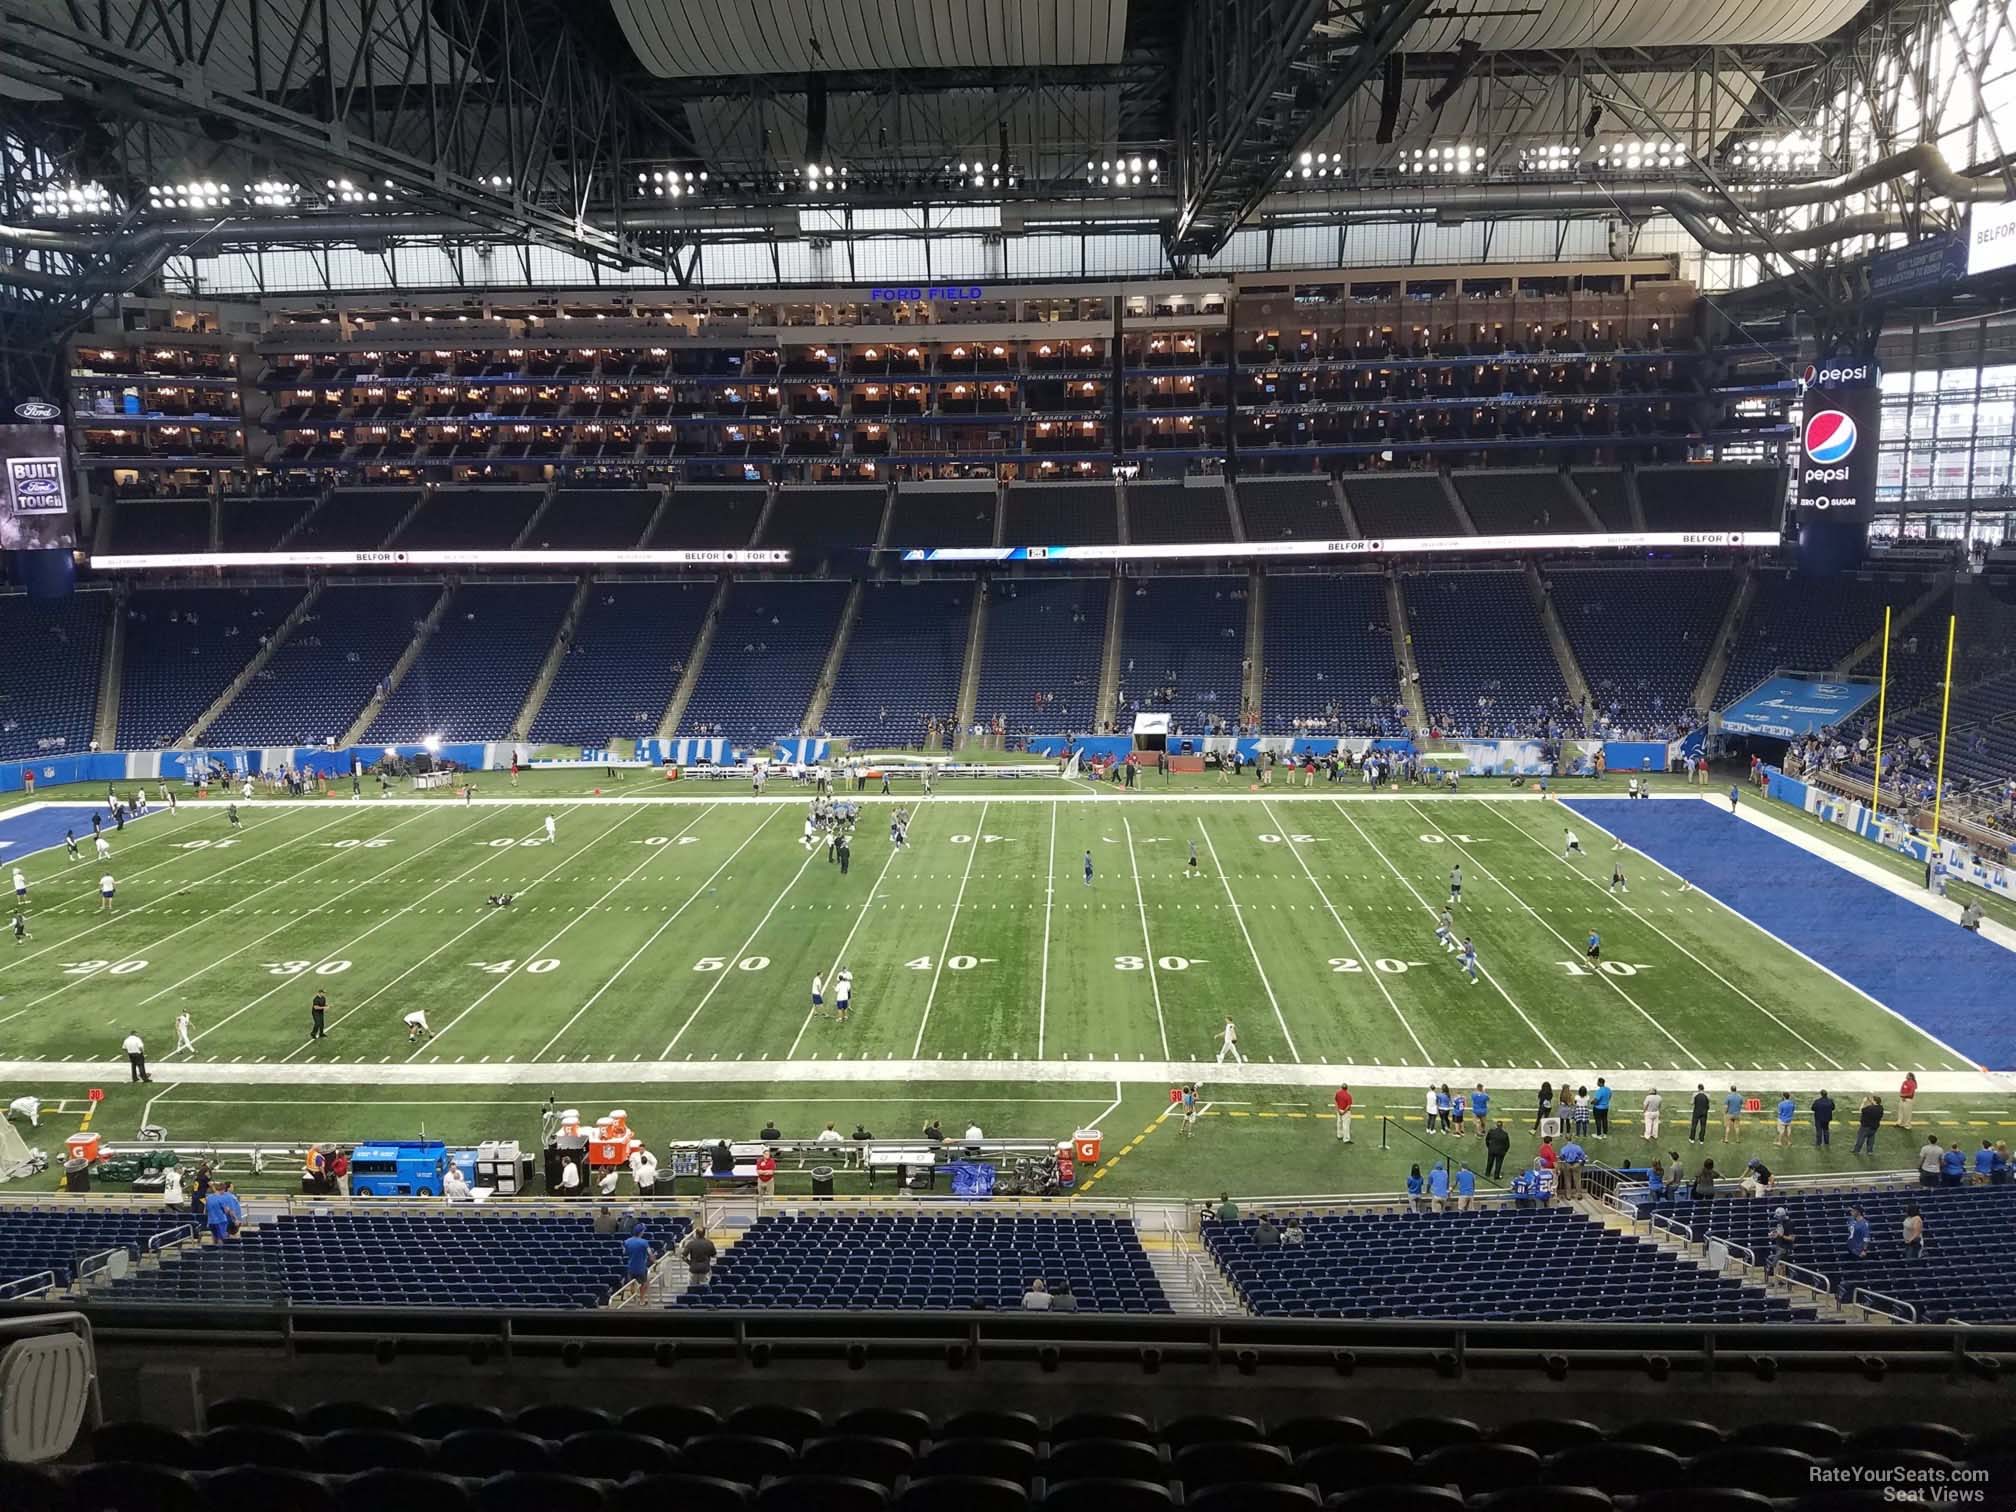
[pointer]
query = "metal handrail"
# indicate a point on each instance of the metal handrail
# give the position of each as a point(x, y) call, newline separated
point(28, 1286)
point(1667, 1224)
point(90, 1265)
point(168, 1236)
point(1898, 1308)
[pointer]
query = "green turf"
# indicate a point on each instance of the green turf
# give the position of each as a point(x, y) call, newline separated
point(684, 935)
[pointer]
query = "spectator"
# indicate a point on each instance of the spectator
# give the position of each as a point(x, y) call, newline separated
point(1547, 1157)
point(933, 1133)
point(771, 1134)
point(1931, 1161)
point(1438, 1186)
point(1228, 1210)
point(222, 1212)
point(604, 1222)
point(1466, 1189)
point(1854, 1249)
point(1914, 1232)
point(1697, 1125)
point(698, 1251)
point(1570, 1168)
point(1787, 1111)
point(627, 1223)
point(1999, 1173)
point(1823, 1119)
point(1037, 1298)
point(1653, 1105)
point(766, 1174)
point(1265, 1235)
point(1984, 1163)
point(1063, 1299)
point(1867, 1121)
point(1953, 1166)
point(1496, 1144)
point(1292, 1232)
point(638, 1253)
point(723, 1158)
point(1732, 1115)
point(1756, 1178)
point(1599, 1105)
point(1783, 1241)
point(827, 1136)
point(1655, 1180)
point(1414, 1189)
point(1704, 1182)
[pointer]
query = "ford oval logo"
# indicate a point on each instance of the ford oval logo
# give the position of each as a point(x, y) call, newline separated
point(37, 409)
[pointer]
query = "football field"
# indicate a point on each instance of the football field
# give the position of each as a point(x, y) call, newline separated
point(686, 935)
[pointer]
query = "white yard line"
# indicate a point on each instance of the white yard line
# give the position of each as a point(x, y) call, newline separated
point(1351, 940)
point(1049, 902)
point(297, 920)
point(1119, 1096)
point(518, 968)
point(1239, 917)
point(1646, 919)
point(22, 960)
point(722, 976)
point(670, 919)
point(477, 923)
point(840, 956)
point(1608, 980)
point(1371, 846)
point(206, 920)
point(1094, 1071)
point(1147, 945)
point(938, 971)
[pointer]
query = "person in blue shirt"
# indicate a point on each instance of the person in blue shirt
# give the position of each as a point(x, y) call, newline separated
point(1733, 793)
point(1998, 1174)
point(1787, 1111)
point(1438, 1186)
point(1457, 1108)
point(1599, 1106)
point(222, 1212)
point(1732, 1115)
point(1442, 1109)
point(1414, 1185)
point(1480, 1105)
point(1594, 949)
point(1470, 960)
point(1854, 1250)
point(1984, 1161)
point(1952, 1166)
point(1568, 1162)
point(638, 1254)
point(1466, 1189)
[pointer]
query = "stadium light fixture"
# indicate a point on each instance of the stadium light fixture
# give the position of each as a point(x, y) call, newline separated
point(60, 201)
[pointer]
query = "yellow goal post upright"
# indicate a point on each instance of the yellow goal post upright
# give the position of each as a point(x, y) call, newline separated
point(1945, 708)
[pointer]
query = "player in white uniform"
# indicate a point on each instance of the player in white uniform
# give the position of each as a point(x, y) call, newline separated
point(416, 1025)
point(1570, 845)
point(1617, 882)
point(106, 887)
point(182, 1037)
point(20, 886)
point(818, 991)
point(1445, 932)
point(104, 848)
point(1228, 1044)
point(549, 829)
point(843, 991)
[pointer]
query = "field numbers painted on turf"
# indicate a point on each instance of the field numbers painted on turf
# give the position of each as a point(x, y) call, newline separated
point(1167, 963)
point(670, 840)
point(505, 842)
point(537, 967)
point(952, 963)
point(1291, 839)
point(110, 968)
point(1385, 963)
point(1434, 839)
point(358, 844)
point(295, 968)
point(968, 839)
point(1608, 968)
point(720, 963)
point(205, 844)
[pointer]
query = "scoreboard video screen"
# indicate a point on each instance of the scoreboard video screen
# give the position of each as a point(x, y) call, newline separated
point(35, 490)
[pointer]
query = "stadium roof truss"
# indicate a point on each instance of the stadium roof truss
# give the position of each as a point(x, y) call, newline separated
point(1786, 135)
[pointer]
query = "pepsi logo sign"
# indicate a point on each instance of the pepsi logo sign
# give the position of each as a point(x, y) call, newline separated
point(1830, 437)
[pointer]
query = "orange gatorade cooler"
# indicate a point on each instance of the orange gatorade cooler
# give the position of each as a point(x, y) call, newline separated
point(1086, 1144)
point(83, 1147)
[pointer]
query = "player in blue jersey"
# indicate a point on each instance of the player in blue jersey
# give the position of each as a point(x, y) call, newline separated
point(1469, 961)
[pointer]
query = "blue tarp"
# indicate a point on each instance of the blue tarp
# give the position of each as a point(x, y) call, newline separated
point(1789, 707)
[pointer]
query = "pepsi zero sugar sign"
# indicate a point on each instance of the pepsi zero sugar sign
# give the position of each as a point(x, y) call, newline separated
point(1838, 428)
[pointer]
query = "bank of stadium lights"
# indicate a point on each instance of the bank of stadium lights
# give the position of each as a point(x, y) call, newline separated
point(671, 183)
point(1793, 153)
point(345, 192)
point(1550, 157)
point(58, 201)
point(1458, 159)
point(982, 174)
point(1632, 155)
point(819, 178)
point(1124, 173)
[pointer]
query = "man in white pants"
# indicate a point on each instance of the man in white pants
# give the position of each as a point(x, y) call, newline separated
point(26, 1107)
point(1228, 1044)
point(549, 829)
point(1653, 1103)
point(182, 1039)
point(416, 1025)
point(104, 849)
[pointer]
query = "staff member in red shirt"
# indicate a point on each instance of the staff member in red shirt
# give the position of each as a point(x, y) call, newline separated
point(1344, 1114)
point(766, 1174)
point(1906, 1095)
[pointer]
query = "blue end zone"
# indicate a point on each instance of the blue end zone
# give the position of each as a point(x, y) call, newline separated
point(24, 834)
point(1953, 985)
